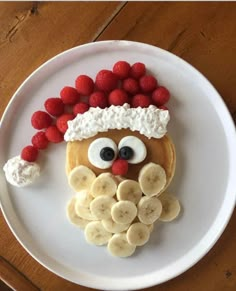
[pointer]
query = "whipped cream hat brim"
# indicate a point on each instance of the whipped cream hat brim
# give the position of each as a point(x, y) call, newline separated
point(151, 121)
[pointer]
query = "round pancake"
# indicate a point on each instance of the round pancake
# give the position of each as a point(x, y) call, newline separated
point(160, 151)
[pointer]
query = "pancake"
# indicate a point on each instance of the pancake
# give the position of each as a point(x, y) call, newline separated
point(160, 151)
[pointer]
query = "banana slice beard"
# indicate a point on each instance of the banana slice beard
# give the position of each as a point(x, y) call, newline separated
point(138, 234)
point(96, 234)
point(129, 190)
point(101, 206)
point(170, 207)
point(161, 156)
point(72, 216)
point(119, 246)
point(152, 179)
point(104, 184)
point(111, 226)
point(149, 209)
point(81, 178)
point(123, 212)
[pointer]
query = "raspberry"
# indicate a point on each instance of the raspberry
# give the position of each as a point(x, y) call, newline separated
point(54, 106)
point(120, 167)
point(39, 140)
point(131, 86)
point(53, 134)
point(106, 80)
point(80, 108)
point(41, 119)
point(163, 107)
point(84, 85)
point(141, 100)
point(98, 99)
point(138, 70)
point(160, 96)
point(62, 122)
point(118, 97)
point(121, 69)
point(69, 95)
point(148, 83)
point(29, 153)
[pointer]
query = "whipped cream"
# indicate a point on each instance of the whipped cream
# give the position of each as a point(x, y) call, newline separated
point(151, 121)
point(19, 172)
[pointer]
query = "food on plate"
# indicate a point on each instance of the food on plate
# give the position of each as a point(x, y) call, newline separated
point(119, 158)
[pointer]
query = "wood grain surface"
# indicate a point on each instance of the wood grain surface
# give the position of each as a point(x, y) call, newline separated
point(202, 33)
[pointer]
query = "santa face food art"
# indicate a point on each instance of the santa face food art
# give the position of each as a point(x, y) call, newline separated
point(119, 161)
point(119, 175)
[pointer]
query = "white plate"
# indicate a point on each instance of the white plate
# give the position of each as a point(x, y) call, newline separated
point(204, 135)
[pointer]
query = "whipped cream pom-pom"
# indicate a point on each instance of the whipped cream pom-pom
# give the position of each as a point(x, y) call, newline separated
point(151, 121)
point(21, 173)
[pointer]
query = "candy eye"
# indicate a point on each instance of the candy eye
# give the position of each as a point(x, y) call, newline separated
point(102, 152)
point(132, 149)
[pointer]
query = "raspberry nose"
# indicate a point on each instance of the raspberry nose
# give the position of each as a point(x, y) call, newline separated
point(120, 167)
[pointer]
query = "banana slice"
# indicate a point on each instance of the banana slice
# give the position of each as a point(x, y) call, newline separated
point(170, 207)
point(101, 206)
point(123, 212)
point(149, 209)
point(84, 212)
point(138, 234)
point(113, 227)
point(84, 198)
point(152, 179)
point(72, 216)
point(81, 178)
point(129, 190)
point(96, 234)
point(118, 246)
point(104, 184)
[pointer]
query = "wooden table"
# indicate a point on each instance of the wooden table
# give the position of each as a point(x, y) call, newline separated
point(204, 34)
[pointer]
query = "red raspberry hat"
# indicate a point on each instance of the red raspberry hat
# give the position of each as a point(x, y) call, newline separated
point(123, 98)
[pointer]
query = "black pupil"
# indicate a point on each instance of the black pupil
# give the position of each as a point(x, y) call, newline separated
point(126, 153)
point(107, 154)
